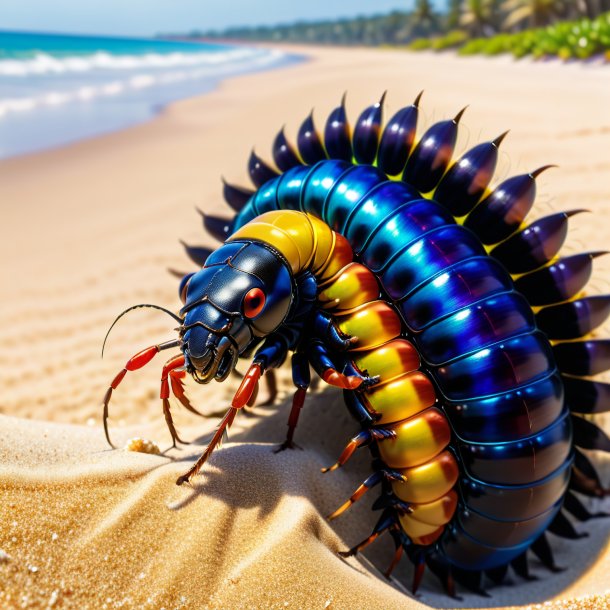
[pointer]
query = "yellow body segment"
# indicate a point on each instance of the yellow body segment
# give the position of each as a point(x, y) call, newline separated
point(437, 512)
point(304, 241)
point(414, 528)
point(388, 361)
point(374, 324)
point(281, 241)
point(355, 285)
point(417, 440)
point(429, 481)
point(402, 398)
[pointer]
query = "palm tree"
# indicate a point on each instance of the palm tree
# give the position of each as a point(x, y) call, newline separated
point(424, 18)
point(454, 11)
point(480, 16)
point(536, 12)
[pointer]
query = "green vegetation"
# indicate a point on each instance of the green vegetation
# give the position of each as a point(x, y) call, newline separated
point(562, 28)
point(567, 40)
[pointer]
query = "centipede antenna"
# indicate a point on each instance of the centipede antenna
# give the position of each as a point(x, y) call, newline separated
point(142, 305)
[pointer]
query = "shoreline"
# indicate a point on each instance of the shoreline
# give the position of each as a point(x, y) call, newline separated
point(89, 230)
point(91, 102)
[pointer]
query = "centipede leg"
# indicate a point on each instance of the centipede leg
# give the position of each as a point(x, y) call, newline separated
point(242, 396)
point(360, 440)
point(168, 368)
point(301, 378)
point(325, 329)
point(373, 480)
point(386, 521)
point(133, 364)
point(397, 553)
point(177, 386)
point(322, 361)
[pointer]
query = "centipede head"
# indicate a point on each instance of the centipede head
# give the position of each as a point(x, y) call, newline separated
point(243, 293)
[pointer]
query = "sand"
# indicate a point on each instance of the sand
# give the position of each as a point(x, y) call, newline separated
point(89, 229)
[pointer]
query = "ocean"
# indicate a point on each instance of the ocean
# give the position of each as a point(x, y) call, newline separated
point(56, 89)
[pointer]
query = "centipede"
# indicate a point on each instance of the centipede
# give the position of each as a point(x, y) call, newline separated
point(463, 341)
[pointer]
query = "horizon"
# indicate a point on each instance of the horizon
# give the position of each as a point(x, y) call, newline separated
point(64, 18)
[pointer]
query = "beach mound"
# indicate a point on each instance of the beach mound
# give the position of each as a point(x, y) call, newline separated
point(88, 527)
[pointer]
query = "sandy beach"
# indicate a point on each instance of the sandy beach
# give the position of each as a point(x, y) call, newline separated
point(90, 229)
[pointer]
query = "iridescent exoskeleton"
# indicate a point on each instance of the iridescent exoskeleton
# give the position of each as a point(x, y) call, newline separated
point(459, 336)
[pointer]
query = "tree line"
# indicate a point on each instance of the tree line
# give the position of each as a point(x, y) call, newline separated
point(475, 18)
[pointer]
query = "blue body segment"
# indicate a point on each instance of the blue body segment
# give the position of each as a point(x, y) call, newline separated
point(495, 372)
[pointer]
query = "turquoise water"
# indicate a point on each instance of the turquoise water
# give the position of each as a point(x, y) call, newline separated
point(56, 89)
point(23, 45)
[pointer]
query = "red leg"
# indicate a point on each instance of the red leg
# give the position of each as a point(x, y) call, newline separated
point(385, 522)
point(168, 368)
point(133, 364)
point(418, 574)
point(175, 380)
point(358, 441)
point(241, 398)
point(396, 558)
point(297, 404)
point(347, 382)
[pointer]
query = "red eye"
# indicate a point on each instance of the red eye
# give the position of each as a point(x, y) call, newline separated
point(254, 301)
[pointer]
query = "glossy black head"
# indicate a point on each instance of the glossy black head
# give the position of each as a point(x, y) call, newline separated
point(243, 292)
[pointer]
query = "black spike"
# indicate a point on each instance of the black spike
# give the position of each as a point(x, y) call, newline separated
point(497, 575)
point(588, 435)
point(467, 179)
point(559, 281)
point(197, 254)
point(176, 273)
point(236, 196)
point(576, 508)
point(217, 227)
point(471, 579)
point(575, 318)
point(283, 154)
point(259, 171)
point(309, 143)
point(442, 570)
point(585, 479)
point(397, 139)
point(431, 155)
point(583, 357)
point(542, 550)
point(561, 526)
point(535, 245)
point(337, 134)
point(584, 396)
point(366, 133)
point(521, 567)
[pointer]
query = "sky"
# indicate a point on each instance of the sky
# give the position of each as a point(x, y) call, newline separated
point(147, 17)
